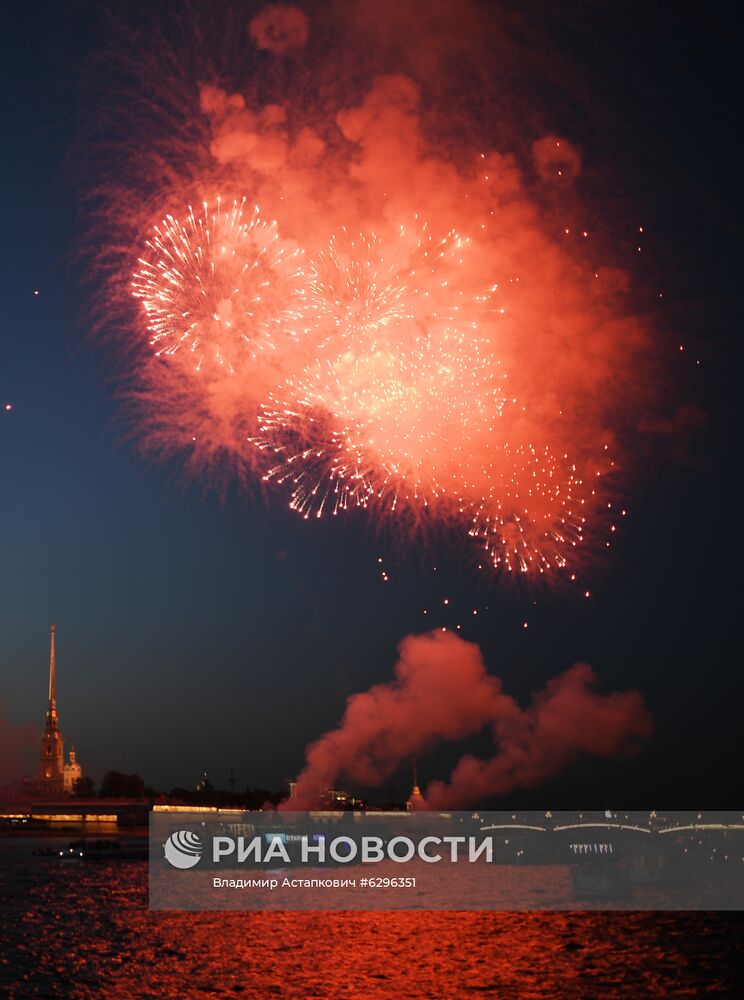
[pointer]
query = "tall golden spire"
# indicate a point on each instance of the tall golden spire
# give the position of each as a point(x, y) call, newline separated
point(52, 713)
point(51, 761)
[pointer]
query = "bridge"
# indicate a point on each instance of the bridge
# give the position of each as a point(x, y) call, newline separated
point(631, 822)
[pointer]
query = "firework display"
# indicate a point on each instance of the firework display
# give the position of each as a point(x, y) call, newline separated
point(381, 414)
point(376, 315)
point(219, 289)
point(404, 404)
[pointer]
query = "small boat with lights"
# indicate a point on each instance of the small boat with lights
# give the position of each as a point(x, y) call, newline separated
point(98, 850)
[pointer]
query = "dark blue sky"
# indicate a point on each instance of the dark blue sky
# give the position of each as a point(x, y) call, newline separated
point(194, 633)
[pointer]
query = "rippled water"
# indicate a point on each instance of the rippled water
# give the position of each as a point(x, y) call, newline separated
point(85, 931)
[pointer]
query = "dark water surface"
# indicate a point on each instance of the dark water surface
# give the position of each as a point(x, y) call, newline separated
point(85, 931)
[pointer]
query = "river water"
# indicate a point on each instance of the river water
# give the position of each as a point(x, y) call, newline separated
point(85, 931)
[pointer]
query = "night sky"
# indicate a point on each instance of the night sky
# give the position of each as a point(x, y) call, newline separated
point(197, 633)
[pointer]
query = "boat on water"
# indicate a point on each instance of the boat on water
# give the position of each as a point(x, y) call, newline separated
point(97, 850)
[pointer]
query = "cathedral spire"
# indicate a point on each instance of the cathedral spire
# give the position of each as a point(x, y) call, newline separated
point(415, 799)
point(51, 763)
point(52, 693)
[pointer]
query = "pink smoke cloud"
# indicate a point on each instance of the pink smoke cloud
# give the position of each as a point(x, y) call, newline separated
point(443, 692)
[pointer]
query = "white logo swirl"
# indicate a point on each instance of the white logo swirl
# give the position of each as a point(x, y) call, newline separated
point(183, 849)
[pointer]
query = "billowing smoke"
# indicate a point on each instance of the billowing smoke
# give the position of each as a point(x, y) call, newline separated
point(363, 276)
point(442, 692)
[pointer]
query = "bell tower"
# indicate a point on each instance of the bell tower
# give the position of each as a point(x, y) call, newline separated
point(51, 763)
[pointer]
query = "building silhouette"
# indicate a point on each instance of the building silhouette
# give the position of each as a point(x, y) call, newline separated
point(71, 772)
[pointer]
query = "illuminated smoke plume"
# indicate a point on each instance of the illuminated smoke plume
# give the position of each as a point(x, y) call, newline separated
point(442, 692)
point(402, 324)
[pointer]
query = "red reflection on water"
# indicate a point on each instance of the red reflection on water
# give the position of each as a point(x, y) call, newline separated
point(85, 931)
